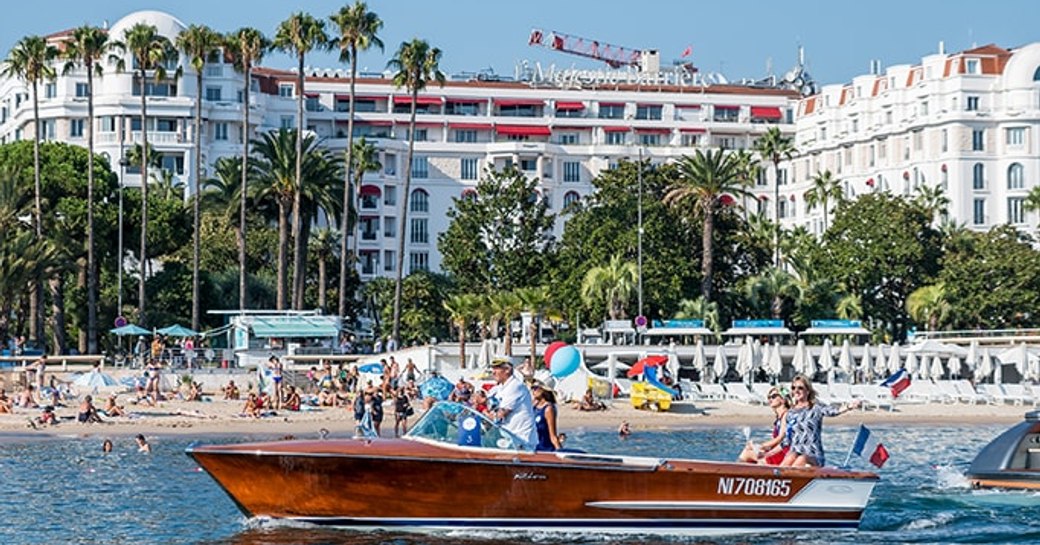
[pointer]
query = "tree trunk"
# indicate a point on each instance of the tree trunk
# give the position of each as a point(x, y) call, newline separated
point(196, 316)
point(776, 207)
point(509, 337)
point(243, 200)
point(141, 296)
point(403, 223)
point(708, 247)
point(300, 243)
point(283, 250)
point(534, 339)
point(322, 283)
point(305, 234)
point(36, 295)
point(344, 222)
point(92, 346)
point(58, 310)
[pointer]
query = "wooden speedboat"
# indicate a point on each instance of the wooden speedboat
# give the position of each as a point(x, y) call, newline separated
point(1012, 460)
point(457, 469)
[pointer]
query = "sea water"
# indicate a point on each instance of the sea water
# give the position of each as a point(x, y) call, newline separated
point(65, 490)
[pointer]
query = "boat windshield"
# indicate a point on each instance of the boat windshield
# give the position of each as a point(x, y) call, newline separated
point(456, 424)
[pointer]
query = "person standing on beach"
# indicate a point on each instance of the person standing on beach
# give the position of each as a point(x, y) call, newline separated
point(276, 378)
point(35, 371)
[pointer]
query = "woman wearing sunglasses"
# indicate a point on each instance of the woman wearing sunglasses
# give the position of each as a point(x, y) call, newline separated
point(805, 424)
point(772, 451)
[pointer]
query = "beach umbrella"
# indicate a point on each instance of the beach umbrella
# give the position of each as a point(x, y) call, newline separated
point(758, 357)
point(487, 353)
point(374, 368)
point(700, 358)
point(798, 359)
point(895, 362)
point(436, 387)
point(937, 368)
point(94, 380)
point(865, 360)
point(606, 364)
point(1018, 355)
point(655, 360)
point(745, 360)
point(880, 363)
point(998, 372)
point(177, 330)
point(954, 366)
point(826, 360)
point(673, 364)
point(775, 364)
point(972, 359)
point(911, 364)
point(985, 366)
point(720, 365)
point(933, 347)
point(129, 329)
point(845, 361)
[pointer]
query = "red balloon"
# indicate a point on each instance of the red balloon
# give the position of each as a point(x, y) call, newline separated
point(549, 350)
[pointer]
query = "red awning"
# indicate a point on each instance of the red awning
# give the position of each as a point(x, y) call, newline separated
point(359, 98)
point(693, 130)
point(653, 130)
point(422, 101)
point(688, 106)
point(616, 129)
point(405, 123)
point(522, 130)
point(472, 126)
point(766, 112)
point(647, 104)
point(372, 190)
point(311, 95)
point(611, 104)
point(518, 102)
point(726, 107)
point(371, 123)
point(466, 100)
point(570, 106)
point(572, 128)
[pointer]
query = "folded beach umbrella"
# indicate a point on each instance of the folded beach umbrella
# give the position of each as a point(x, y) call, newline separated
point(720, 365)
point(745, 359)
point(826, 360)
point(895, 362)
point(911, 364)
point(775, 364)
point(845, 362)
point(972, 359)
point(880, 363)
point(954, 366)
point(700, 358)
point(985, 367)
point(865, 360)
point(757, 357)
point(798, 360)
point(937, 368)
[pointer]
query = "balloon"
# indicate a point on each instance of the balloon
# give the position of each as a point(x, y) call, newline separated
point(550, 350)
point(564, 361)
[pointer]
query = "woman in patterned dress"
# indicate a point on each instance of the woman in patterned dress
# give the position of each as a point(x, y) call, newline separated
point(805, 424)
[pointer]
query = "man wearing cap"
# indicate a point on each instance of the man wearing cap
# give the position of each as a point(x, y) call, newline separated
point(515, 410)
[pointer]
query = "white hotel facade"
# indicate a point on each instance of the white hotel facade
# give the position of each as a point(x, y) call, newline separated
point(561, 135)
point(965, 121)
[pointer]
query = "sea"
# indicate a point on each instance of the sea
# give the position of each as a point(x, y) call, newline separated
point(66, 490)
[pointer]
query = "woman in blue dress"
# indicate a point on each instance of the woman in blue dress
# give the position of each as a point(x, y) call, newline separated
point(805, 424)
point(545, 417)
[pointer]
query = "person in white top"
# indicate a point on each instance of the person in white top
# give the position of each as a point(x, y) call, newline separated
point(515, 409)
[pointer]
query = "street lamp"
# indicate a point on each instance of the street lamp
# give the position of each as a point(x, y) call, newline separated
point(639, 233)
point(124, 161)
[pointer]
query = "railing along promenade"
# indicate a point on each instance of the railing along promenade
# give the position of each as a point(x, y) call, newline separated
point(982, 336)
point(86, 361)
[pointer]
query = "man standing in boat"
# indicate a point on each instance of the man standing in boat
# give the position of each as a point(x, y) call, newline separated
point(514, 407)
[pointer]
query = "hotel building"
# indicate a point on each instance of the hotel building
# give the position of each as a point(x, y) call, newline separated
point(563, 134)
point(966, 121)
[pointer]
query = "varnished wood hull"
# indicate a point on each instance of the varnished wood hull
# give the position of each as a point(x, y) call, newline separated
point(404, 484)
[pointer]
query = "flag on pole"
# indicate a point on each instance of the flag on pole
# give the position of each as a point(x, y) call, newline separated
point(898, 382)
point(687, 52)
point(869, 448)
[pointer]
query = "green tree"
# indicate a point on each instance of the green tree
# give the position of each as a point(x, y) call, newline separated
point(501, 239)
point(611, 286)
point(700, 309)
point(365, 157)
point(357, 31)
point(774, 291)
point(414, 65)
point(460, 309)
point(246, 47)
point(298, 35)
point(324, 243)
point(703, 180)
point(1032, 202)
point(30, 61)
point(85, 48)
point(933, 200)
point(151, 52)
point(423, 315)
point(198, 43)
point(774, 147)
point(928, 306)
point(825, 189)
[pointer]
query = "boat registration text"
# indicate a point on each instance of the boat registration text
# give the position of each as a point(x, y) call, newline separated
point(736, 486)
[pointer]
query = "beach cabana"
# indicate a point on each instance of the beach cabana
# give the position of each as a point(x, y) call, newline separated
point(757, 328)
point(835, 327)
point(677, 328)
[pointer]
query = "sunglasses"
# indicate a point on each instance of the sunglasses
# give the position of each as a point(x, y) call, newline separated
point(774, 395)
point(799, 387)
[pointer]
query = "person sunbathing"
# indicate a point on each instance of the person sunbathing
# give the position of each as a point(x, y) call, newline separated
point(111, 408)
point(6, 405)
point(231, 391)
point(292, 399)
point(26, 399)
point(590, 403)
point(253, 406)
point(87, 412)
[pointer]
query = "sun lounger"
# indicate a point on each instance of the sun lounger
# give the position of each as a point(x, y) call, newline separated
point(841, 392)
point(738, 391)
point(926, 391)
point(873, 396)
point(823, 394)
point(713, 392)
point(968, 394)
point(1022, 391)
point(997, 395)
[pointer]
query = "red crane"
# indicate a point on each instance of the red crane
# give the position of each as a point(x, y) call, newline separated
point(614, 55)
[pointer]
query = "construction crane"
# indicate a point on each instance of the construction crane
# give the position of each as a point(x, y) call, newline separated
point(614, 55)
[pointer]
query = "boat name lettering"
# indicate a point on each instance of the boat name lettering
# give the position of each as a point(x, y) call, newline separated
point(528, 476)
point(735, 486)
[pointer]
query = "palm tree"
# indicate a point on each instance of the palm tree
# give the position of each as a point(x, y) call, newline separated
point(222, 191)
point(84, 49)
point(298, 35)
point(700, 309)
point(775, 147)
point(30, 61)
point(770, 289)
point(702, 182)
point(933, 200)
point(460, 309)
point(927, 305)
point(506, 305)
point(537, 302)
point(825, 188)
point(612, 285)
point(365, 158)
point(324, 242)
point(357, 32)
point(1032, 202)
point(150, 51)
point(247, 47)
point(415, 65)
point(198, 42)
point(849, 307)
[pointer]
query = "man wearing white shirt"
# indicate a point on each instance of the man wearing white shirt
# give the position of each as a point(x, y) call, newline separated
point(515, 409)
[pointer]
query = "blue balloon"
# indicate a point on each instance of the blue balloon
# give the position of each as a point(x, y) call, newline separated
point(565, 361)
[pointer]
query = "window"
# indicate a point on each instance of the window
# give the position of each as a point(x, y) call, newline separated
point(460, 108)
point(611, 111)
point(287, 122)
point(312, 104)
point(971, 66)
point(979, 212)
point(1016, 177)
point(823, 133)
point(285, 89)
point(420, 135)
point(1016, 136)
point(465, 136)
point(153, 89)
point(781, 177)
point(648, 112)
point(468, 167)
point(726, 114)
point(783, 208)
point(389, 261)
point(213, 94)
point(978, 179)
point(528, 164)
point(570, 198)
point(1016, 213)
point(390, 195)
point(75, 128)
point(615, 139)
point(924, 107)
point(945, 138)
point(870, 157)
point(390, 164)
point(420, 167)
point(50, 90)
point(918, 140)
point(649, 139)
point(420, 201)
point(567, 138)
point(972, 103)
point(220, 131)
point(882, 146)
point(108, 124)
point(518, 111)
point(547, 168)
point(855, 125)
point(690, 140)
point(571, 171)
point(978, 139)
point(81, 90)
point(420, 231)
point(389, 227)
point(418, 261)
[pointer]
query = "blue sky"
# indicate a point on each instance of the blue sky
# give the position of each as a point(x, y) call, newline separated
point(735, 37)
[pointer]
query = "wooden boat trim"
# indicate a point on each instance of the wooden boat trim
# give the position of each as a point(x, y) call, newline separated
point(586, 524)
point(720, 506)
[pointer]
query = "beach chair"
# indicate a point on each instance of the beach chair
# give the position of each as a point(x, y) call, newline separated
point(923, 390)
point(1032, 393)
point(691, 391)
point(841, 392)
point(948, 392)
point(968, 394)
point(761, 389)
point(996, 394)
point(1016, 393)
point(713, 391)
point(738, 391)
point(874, 396)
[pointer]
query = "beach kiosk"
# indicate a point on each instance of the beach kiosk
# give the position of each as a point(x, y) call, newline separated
point(758, 328)
point(678, 329)
point(256, 335)
point(851, 328)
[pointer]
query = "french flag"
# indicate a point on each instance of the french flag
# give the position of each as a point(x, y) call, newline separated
point(868, 447)
point(897, 382)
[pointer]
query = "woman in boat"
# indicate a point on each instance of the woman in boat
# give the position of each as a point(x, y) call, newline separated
point(773, 451)
point(805, 424)
point(545, 417)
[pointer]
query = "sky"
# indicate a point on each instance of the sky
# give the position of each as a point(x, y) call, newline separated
point(737, 38)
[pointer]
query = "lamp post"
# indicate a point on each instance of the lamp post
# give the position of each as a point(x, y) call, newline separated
point(124, 161)
point(639, 234)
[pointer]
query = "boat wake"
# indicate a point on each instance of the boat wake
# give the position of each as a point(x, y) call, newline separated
point(936, 521)
point(950, 477)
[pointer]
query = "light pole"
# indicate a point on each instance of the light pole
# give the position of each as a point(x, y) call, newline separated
point(123, 162)
point(639, 234)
